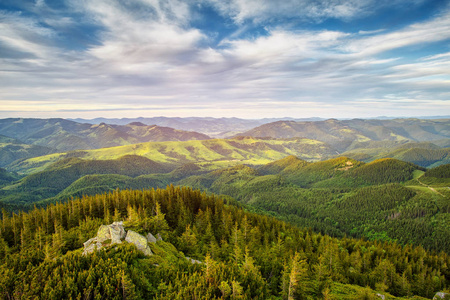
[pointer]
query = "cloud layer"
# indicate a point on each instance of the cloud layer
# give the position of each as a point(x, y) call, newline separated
point(249, 59)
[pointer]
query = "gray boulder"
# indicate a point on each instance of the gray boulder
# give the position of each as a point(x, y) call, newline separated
point(139, 241)
point(441, 295)
point(91, 245)
point(115, 233)
point(151, 238)
point(193, 261)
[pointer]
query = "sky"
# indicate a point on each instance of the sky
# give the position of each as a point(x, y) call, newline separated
point(224, 58)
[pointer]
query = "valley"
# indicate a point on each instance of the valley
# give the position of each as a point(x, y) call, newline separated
point(324, 184)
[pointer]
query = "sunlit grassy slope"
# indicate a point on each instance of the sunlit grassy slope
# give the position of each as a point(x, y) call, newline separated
point(11, 150)
point(420, 155)
point(208, 154)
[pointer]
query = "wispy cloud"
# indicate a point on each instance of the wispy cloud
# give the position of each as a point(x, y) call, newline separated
point(146, 54)
point(316, 10)
point(431, 31)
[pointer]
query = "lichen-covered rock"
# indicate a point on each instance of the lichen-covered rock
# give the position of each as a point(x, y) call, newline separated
point(381, 296)
point(106, 235)
point(114, 233)
point(441, 295)
point(91, 245)
point(193, 261)
point(139, 241)
point(103, 233)
point(151, 238)
point(117, 232)
point(158, 237)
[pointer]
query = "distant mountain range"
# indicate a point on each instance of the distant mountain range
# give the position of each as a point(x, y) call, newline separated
point(423, 142)
point(340, 196)
point(12, 150)
point(214, 127)
point(361, 178)
point(420, 141)
point(65, 135)
point(208, 154)
point(341, 134)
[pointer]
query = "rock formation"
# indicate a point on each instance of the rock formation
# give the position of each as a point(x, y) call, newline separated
point(115, 233)
point(151, 238)
point(140, 242)
point(193, 261)
point(441, 295)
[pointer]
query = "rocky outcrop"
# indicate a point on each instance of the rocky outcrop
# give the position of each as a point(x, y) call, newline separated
point(193, 261)
point(115, 233)
point(151, 238)
point(441, 295)
point(140, 242)
point(106, 235)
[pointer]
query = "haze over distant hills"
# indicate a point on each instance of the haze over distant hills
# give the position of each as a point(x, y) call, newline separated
point(214, 127)
point(421, 141)
point(65, 135)
point(391, 185)
point(342, 133)
point(209, 154)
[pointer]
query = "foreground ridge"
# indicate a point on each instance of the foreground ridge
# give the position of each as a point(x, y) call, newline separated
point(246, 255)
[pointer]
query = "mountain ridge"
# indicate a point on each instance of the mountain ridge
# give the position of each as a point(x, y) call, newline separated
point(65, 135)
point(341, 134)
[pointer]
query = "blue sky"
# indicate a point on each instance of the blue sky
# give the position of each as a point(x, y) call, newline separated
point(224, 58)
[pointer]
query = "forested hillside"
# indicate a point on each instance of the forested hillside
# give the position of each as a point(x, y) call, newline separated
point(379, 200)
point(422, 142)
point(424, 155)
point(60, 175)
point(386, 199)
point(12, 150)
point(208, 154)
point(7, 177)
point(242, 255)
point(65, 135)
point(342, 133)
point(214, 127)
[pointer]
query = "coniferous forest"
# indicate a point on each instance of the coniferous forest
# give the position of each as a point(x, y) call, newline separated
point(225, 149)
point(237, 218)
point(242, 255)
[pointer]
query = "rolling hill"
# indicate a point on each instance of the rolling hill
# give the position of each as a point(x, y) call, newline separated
point(214, 127)
point(423, 155)
point(339, 196)
point(65, 135)
point(385, 200)
point(341, 134)
point(12, 150)
point(7, 177)
point(60, 175)
point(208, 154)
point(207, 248)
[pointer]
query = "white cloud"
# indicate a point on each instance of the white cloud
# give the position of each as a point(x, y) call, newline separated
point(317, 10)
point(437, 29)
point(146, 57)
point(131, 41)
point(25, 34)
